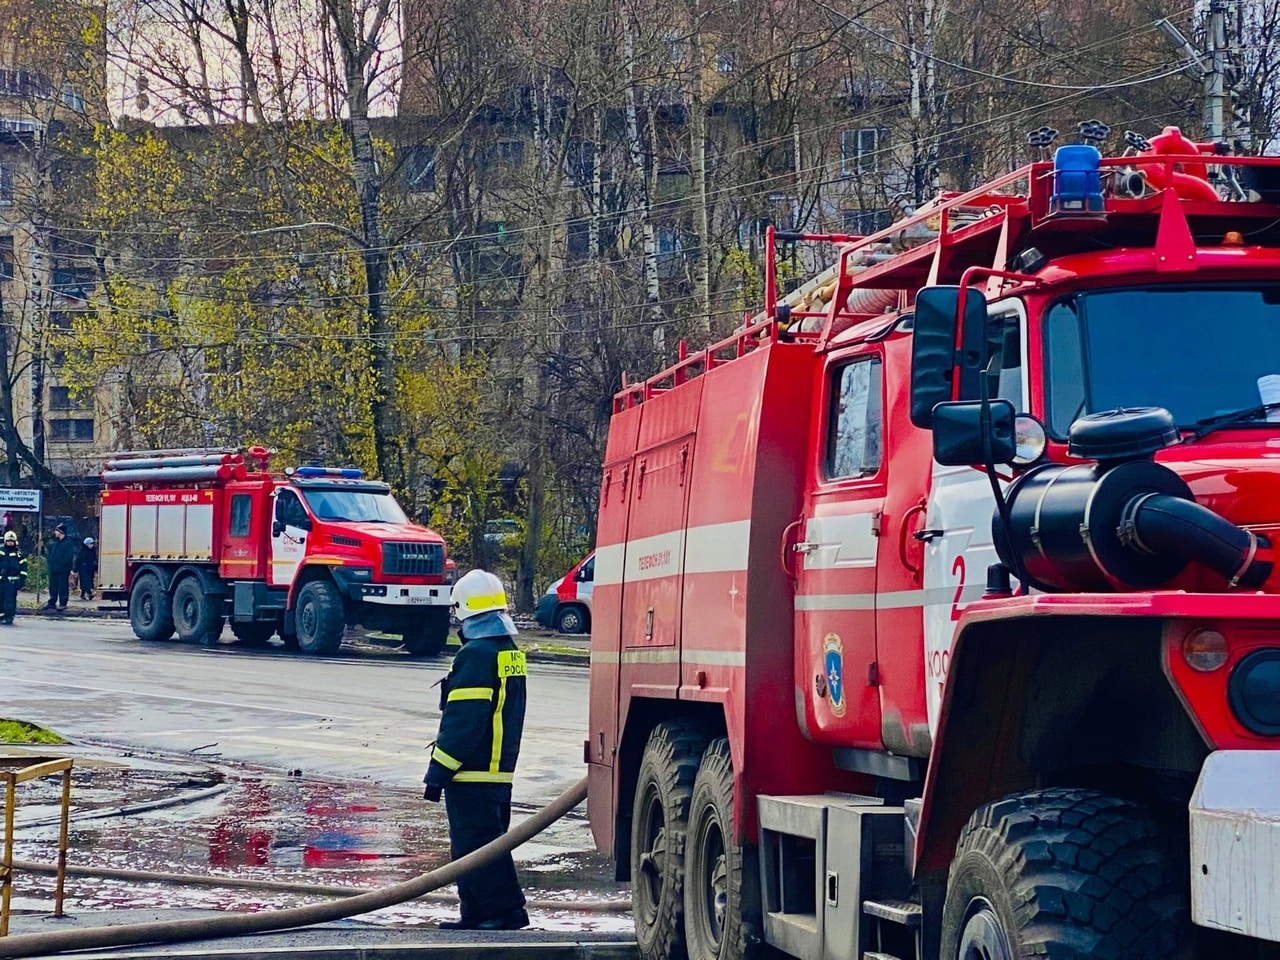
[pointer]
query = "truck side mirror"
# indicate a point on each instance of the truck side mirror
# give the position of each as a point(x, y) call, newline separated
point(277, 528)
point(957, 433)
point(935, 359)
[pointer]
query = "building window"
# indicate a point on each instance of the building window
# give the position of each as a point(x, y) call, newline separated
point(61, 398)
point(860, 150)
point(727, 61)
point(855, 423)
point(579, 239)
point(6, 258)
point(677, 49)
point(7, 190)
point(863, 223)
point(71, 431)
point(420, 169)
point(241, 507)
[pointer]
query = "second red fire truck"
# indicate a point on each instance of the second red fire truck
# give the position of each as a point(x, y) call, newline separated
point(194, 539)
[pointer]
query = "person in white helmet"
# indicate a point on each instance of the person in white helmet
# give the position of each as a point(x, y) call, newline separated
point(86, 567)
point(13, 576)
point(474, 758)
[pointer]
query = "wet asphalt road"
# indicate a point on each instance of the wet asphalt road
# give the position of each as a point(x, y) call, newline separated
point(359, 715)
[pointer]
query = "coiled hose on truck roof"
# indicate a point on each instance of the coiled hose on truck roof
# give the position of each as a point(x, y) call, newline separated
point(206, 928)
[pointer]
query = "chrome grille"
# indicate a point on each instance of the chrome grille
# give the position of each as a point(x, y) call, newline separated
point(413, 559)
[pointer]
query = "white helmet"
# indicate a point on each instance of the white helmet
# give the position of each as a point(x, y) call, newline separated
point(478, 591)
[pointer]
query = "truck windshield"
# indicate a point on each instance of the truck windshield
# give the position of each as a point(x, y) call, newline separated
point(1197, 352)
point(355, 507)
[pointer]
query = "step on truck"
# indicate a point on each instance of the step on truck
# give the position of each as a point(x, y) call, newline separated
point(936, 612)
point(194, 539)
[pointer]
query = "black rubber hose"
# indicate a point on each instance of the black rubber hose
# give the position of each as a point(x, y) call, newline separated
point(1160, 524)
point(207, 928)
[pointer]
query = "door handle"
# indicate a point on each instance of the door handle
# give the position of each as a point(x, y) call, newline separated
point(928, 536)
point(804, 547)
point(912, 512)
point(784, 552)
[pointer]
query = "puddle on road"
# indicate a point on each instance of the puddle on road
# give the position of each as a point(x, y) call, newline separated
point(270, 827)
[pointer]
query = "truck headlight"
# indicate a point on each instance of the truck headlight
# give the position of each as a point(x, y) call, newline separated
point(1254, 692)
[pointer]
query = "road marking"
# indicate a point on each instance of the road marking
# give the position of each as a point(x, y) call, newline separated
point(212, 703)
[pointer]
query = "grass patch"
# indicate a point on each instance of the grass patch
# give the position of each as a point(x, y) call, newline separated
point(19, 731)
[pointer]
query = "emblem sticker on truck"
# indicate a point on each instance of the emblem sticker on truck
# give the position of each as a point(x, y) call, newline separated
point(833, 670)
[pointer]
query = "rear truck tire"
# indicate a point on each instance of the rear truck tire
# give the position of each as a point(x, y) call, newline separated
point(149, 612)
point(196, 615)
point(253, 633)
point(715, 928)
point(659, 822)
point(571, 618)
point(1064, 874)
point(319, 618)
point(427, 634)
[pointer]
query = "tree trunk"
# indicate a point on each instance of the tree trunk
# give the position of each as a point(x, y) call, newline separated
point(702, 325)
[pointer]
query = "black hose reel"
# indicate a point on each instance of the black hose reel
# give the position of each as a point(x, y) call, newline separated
point(1123, 521)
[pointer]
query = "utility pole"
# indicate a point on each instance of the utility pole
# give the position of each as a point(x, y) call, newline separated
point(1213, 66)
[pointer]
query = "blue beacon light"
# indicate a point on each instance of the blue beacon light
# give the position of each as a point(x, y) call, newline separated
point(1077, 181)
point(344, 473)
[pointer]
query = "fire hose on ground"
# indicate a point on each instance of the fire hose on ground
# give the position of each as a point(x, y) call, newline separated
point(205, 928)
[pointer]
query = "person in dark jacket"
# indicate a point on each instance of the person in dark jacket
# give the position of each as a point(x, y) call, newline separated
point(13, 576)
point(86, 567)
point(61, 557)
point(482, 719)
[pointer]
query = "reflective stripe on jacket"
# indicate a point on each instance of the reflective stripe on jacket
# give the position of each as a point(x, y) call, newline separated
point(482, 716)
point(13, 566)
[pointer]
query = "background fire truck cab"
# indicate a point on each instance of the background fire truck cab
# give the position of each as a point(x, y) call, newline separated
point(826, 716)
point(193, 538)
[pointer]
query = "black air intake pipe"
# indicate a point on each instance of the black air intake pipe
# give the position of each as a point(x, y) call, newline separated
point(1122, 522)
point(1156, 524)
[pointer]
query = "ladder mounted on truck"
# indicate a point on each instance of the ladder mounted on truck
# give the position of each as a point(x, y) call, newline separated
point(183, 466)
point(1167, 194)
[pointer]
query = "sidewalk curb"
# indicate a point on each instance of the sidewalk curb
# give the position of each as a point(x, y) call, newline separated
point(570, 950)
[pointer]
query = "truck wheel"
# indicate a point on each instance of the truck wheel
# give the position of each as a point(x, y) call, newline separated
point(319, 618)
point(254, 633)
point(571, 618)
point(427, 634)
point(713, 889)
point(149, 611)
point(1064, 873)
point(659, 821)
point(196, 615)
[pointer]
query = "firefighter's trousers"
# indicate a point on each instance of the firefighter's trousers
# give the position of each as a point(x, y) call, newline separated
point(478, 813)
point(8, 599)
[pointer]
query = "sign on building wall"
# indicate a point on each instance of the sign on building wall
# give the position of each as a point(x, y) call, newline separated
point(13, 498)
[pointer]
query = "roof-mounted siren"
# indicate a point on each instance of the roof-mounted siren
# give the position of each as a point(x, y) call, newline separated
point(1077, 175)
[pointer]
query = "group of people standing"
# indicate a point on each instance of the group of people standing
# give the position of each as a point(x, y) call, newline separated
point(62, 556)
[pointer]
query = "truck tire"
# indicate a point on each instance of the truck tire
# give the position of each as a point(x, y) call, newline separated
point(149, 612)
point(197, 616)
point(319, 618)
point(571, 618)
point(253, 633)
point(659, 821)
point(1064, 873)
point(714, 907)
point(428, 633)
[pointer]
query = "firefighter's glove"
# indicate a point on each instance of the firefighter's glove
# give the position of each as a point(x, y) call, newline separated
point(431, 793)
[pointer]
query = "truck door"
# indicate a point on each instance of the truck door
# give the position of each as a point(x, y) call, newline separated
point(837, 553)
point(288, 537)
point(959, 521)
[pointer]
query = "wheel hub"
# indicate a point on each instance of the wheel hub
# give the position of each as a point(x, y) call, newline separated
point(983, 937)
point(653, 858)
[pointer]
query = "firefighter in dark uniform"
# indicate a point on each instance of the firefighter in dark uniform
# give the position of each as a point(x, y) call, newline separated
point(482, 718)
point(13, 576)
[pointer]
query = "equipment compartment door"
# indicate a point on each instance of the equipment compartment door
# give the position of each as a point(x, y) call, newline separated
point(835, 559)
point(288, 537)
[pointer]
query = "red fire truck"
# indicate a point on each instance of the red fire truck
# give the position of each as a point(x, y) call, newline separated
point(935, 612)
point(193, 538)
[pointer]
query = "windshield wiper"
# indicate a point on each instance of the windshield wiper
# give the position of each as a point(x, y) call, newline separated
point(1209, 424)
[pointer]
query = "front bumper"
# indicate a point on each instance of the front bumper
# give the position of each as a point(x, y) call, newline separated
point(1235, 843)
